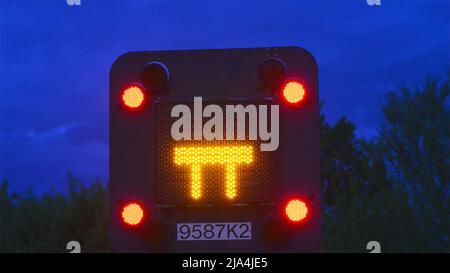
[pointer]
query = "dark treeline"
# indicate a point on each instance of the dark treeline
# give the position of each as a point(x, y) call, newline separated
point(393, 188)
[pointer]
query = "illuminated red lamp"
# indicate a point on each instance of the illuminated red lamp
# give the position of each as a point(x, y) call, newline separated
point(133, 97)
point(293, 92)
point(132, 214)
point(296, 211)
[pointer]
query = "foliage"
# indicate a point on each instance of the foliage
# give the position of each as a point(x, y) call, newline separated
point(46, 224)
point(393, 189)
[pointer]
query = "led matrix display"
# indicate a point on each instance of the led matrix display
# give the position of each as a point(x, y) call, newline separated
point(217, 171)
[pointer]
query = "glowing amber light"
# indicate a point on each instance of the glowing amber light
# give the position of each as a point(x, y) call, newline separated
point(197, 157)
point(293, 92)
point(132, 214)
point(133, 97)
point(296, 210)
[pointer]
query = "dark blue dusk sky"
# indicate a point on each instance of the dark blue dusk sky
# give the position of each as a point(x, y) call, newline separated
point(55, 62)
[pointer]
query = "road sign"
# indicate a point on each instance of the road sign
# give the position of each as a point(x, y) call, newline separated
point(215, 151)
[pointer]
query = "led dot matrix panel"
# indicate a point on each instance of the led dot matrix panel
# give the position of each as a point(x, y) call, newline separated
point(202, 171)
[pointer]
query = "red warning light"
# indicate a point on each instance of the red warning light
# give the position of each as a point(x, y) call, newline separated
point(133, 97)
point(296, 210)
point(293, 91)
point(132, 214)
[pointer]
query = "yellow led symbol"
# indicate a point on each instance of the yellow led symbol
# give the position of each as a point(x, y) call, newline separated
point(197, 156)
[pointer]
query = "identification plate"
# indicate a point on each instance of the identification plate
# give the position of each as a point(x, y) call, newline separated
point(214, 231)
